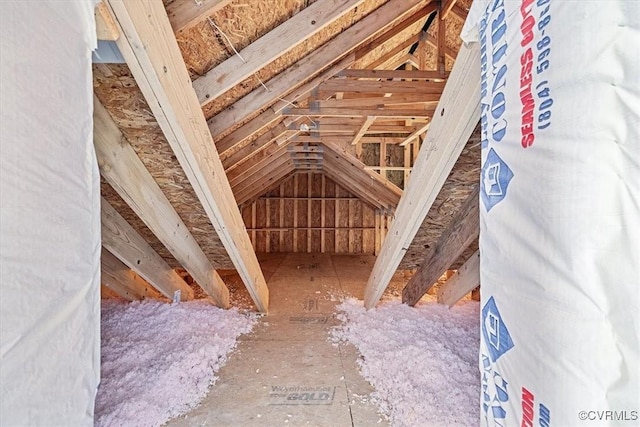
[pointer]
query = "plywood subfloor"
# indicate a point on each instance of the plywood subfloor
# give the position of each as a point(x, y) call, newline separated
point(287, 372)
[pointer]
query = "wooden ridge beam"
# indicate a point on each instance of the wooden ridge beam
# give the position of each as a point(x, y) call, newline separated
point(186, 14)
point(382, 86)
point(116, 276)
point(465, 280)
point(119, 238)
point(125, 172)
point(151, 51)
point(461, 232)
point(307, 67)
point(269, 47)
point(456, 116)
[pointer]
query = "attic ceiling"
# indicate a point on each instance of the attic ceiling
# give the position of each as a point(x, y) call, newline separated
point(342, 88)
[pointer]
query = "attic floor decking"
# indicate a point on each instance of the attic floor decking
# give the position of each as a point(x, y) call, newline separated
point(287, 372)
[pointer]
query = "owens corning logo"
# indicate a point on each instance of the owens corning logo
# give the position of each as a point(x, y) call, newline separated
point(495, 179)
point(494, 331)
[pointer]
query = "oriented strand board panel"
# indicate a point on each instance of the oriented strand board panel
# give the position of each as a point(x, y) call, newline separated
point(115, 87)
point(461, 180)
point(310, 213)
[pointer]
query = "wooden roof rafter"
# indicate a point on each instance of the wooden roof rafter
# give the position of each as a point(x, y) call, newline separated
point(149, 46)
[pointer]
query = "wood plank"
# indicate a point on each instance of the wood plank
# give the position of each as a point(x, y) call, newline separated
point(125, 172)
point(151, 51)
point(353, 112)
point(351, 173)
point(465, 280)
point(456, 116)
point(275, 43)
point(258, 144)
point(461, 232)
point(445, 8)
point(116, 276)
point(106, 28)
point(367, 123)
point(416, 134)
point(400, 47)
point(272, 113)
point(307, 67)
point(119, 238)
point(392, 74)
point(382, 86)
point(186, 14)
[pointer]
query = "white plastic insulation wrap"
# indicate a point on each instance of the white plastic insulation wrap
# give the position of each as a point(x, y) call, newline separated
point(560, 211)
point(50, 215)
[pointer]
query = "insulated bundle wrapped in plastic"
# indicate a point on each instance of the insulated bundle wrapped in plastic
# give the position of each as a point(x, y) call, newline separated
point(560, 211)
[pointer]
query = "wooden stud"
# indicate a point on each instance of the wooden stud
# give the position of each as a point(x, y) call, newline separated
point(119, 238)
point(461, 232)
point(465, 280)
point(456, 116)
point(151, 51)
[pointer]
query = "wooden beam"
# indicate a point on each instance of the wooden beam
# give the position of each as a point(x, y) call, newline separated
point(383, 86)
point(457, 115)
point(274, 112)
point(368, 122)
point(370, 184)
point(153, 56)
point(271, 46)
point(353, 112)
point(381, 61)
point(125, 243)
point(461, 232)
point(428, 8)
point(116, 276)
point(279, 86)
point(380, 101)
point(121, 167)
point(445, 8)
point(416, 134)
point(465, 280)
point(105, 25)
point(393, 74)
point(258, 144)
point(186, 14)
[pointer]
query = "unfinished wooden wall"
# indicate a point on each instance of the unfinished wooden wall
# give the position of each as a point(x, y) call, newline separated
point(311, 213)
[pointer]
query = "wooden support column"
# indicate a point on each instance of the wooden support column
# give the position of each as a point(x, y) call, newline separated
point(151, 51)
point(463, 230)
point(456, 116)
point(121, 167)
point(116, 276)
point(465, 280)
point(125, 243)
